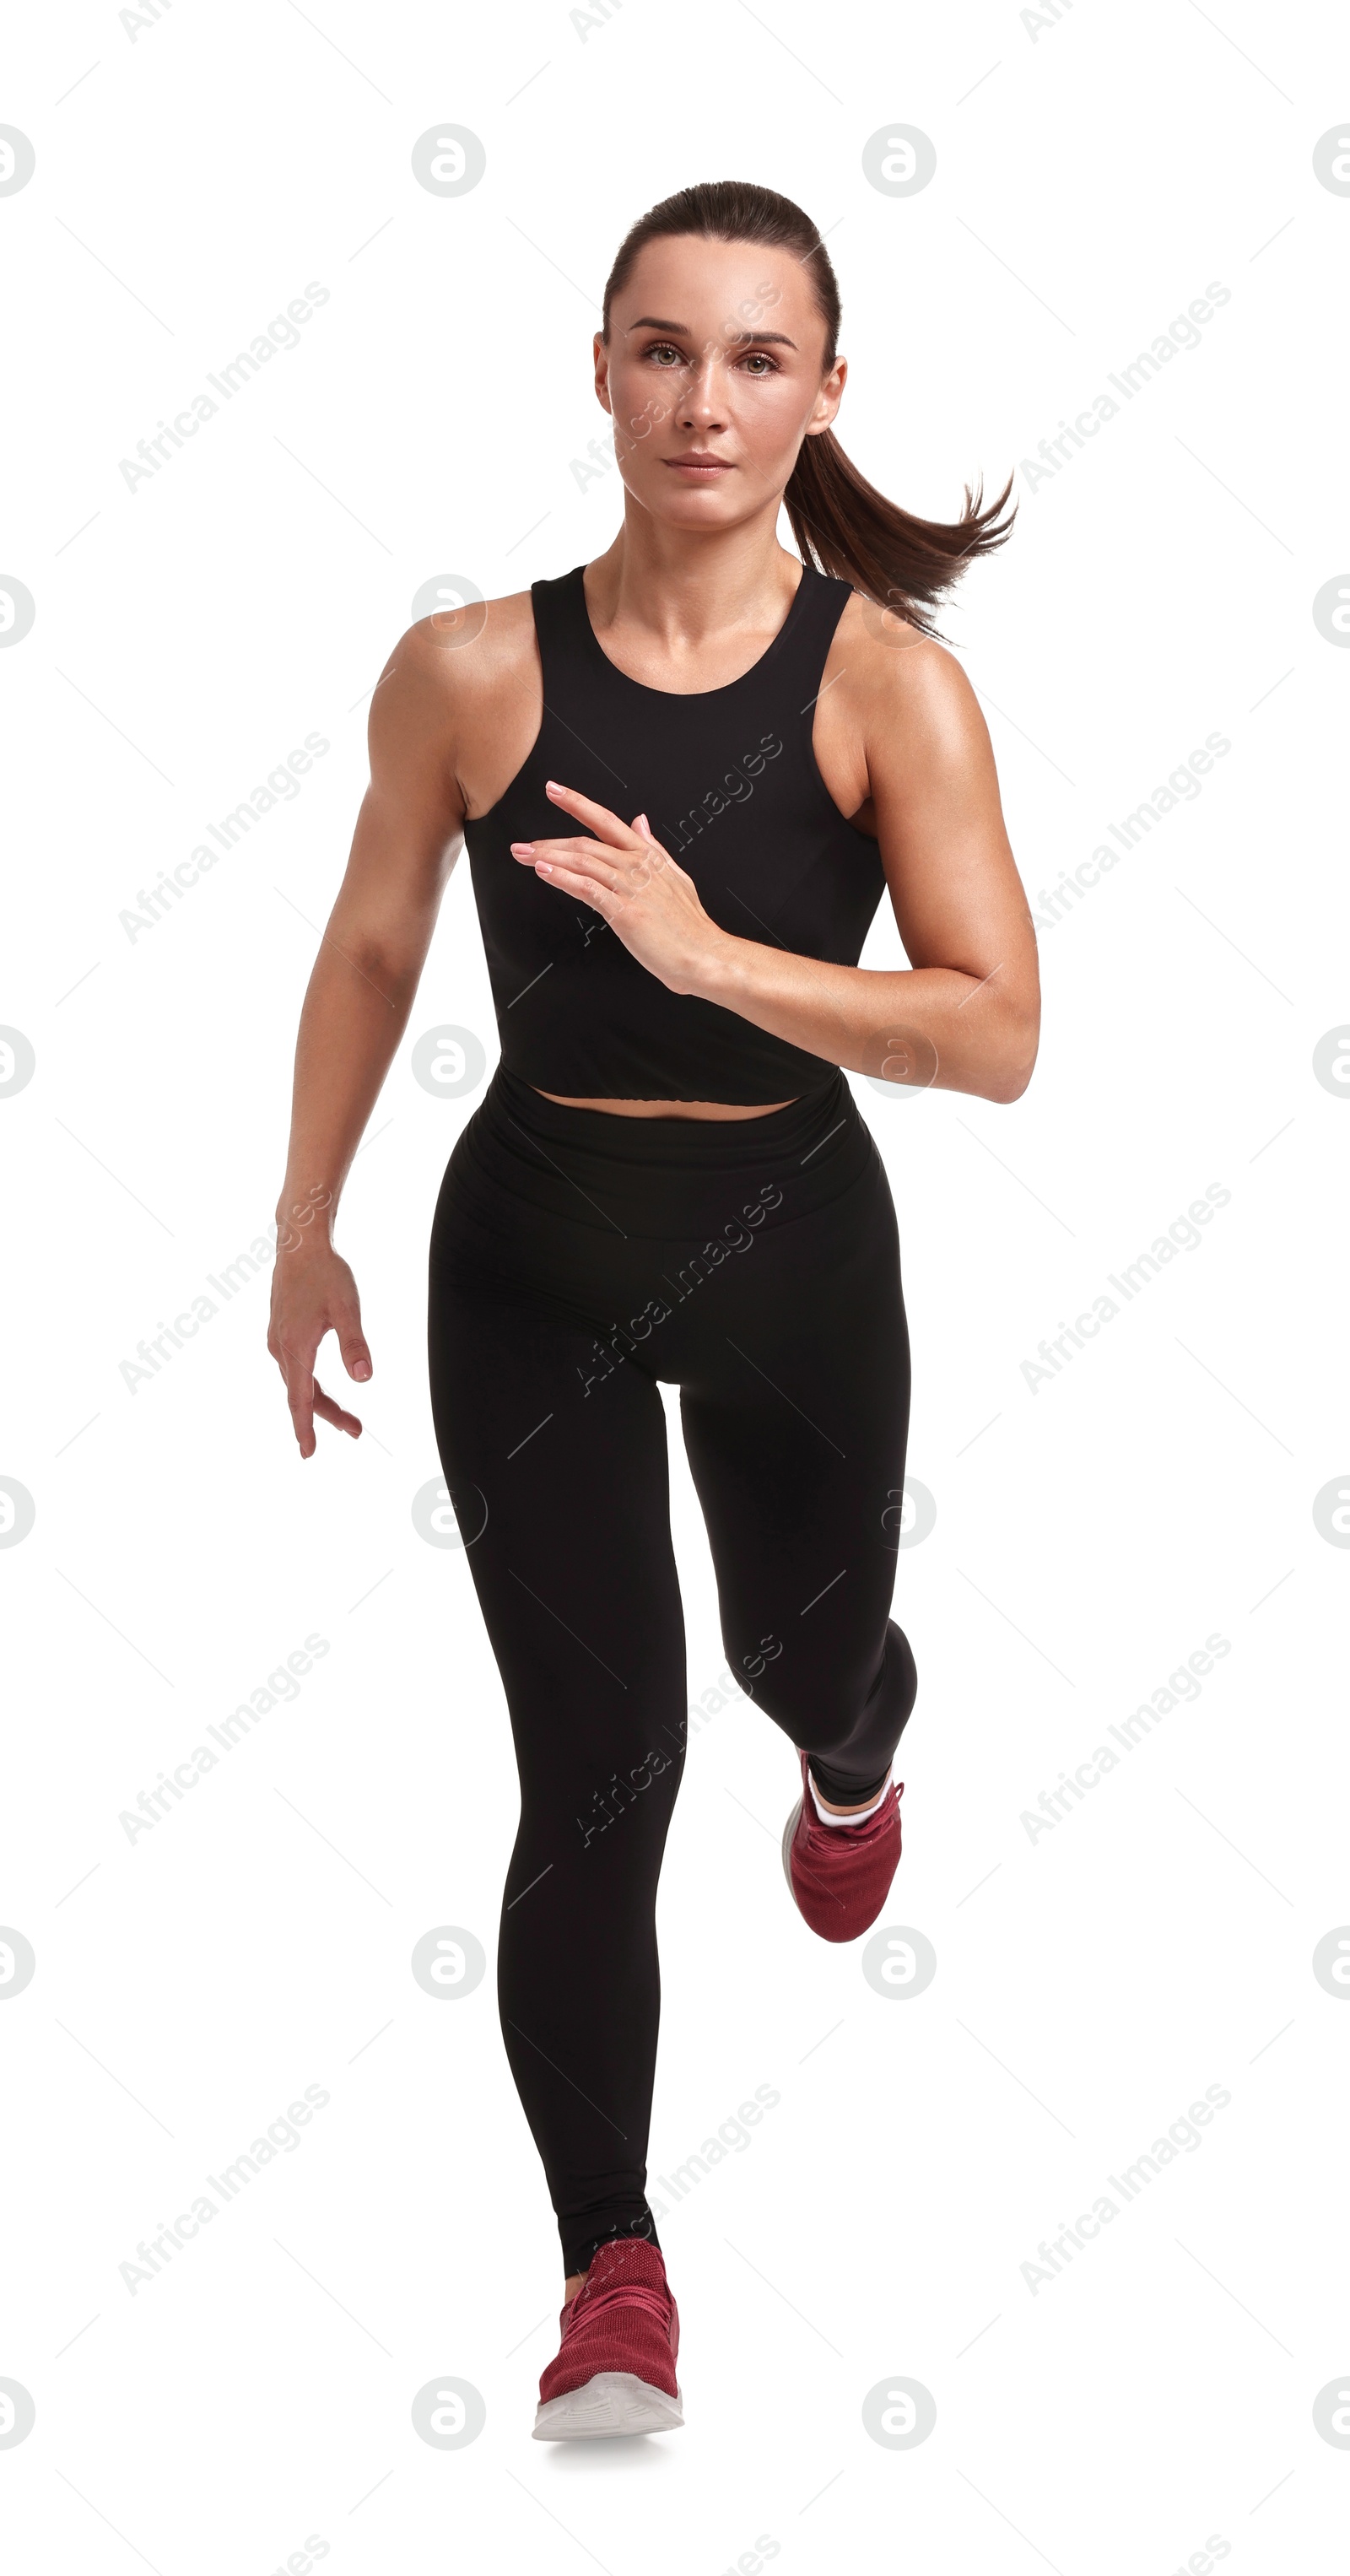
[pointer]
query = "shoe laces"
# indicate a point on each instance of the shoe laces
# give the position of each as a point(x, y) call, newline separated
point(654, 2302)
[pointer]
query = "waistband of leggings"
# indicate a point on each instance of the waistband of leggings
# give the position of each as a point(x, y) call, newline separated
point(791, 1136)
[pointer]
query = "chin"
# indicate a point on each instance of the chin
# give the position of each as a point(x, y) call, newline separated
point(691, 505)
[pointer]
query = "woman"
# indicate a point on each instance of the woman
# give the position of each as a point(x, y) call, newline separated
point(684, 773)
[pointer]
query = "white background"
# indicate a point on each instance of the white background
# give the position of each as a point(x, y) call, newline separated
point(1093, 175)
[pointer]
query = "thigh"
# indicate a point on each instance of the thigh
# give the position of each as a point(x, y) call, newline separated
point(559, 1480)
point(796, 1416)
point(560, 1485)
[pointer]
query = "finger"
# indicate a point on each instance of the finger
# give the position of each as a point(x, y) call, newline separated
point(587, 890)
point(648, 845)
point(352, 1343)
point(599, 817)
point(298, 1374)
point(580, 858)
point(611, 878)
point(329, 1411)
point(611, 852)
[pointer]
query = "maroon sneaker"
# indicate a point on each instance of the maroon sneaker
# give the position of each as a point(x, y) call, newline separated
point(615, 2371)
point(840, 1875)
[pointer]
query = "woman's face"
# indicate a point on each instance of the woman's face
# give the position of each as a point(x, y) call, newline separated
point(715, 351)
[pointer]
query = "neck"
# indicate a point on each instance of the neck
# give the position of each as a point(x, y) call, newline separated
point(681, 587)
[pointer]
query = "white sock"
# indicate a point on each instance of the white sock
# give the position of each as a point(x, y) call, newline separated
point(860, 1814)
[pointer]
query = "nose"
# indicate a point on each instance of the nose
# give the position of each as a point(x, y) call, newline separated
point(700, 406)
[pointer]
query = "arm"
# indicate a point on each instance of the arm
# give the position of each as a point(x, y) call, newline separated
point(355, 1011)
point(965, 1015)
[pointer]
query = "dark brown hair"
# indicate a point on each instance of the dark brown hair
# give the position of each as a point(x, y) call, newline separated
point(841, 522)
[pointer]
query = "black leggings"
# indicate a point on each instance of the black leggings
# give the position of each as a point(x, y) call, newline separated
point(577, 1257)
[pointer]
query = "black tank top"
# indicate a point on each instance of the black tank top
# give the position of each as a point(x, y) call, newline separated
point(728, 781)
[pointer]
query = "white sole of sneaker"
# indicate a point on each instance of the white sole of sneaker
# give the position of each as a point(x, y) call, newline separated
point(615, 2401)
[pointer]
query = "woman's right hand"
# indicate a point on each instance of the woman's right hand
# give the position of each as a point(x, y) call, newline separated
point(313, 1293)
point(360, 994)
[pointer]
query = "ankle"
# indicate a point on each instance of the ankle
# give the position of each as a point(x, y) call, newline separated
point(856, 1807)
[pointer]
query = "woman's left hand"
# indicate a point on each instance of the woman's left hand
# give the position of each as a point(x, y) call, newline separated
point(635, 885)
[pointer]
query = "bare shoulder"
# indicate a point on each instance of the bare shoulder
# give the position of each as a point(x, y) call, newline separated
point(457, 658)
point(909, 691)
point(451, 683)
point(896, 719)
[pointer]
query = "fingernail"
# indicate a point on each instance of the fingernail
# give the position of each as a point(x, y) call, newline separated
point(523, 849)
point(362, 1369)
point(544, 868)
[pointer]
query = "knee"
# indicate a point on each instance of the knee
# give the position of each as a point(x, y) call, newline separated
point(814, 1703)
point(648, 1785)
point(824, 1697)
point(596, 1799)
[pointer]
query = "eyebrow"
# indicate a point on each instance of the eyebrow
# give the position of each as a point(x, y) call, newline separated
point(681, 331)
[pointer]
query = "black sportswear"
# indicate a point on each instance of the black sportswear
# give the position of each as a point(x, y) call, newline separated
point(578, 1258)
point(729, 783)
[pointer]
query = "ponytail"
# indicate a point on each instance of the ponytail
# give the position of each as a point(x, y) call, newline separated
point(848, 528)
point(842, 524)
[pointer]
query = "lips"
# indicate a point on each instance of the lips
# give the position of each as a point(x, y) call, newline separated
point(709, 465)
